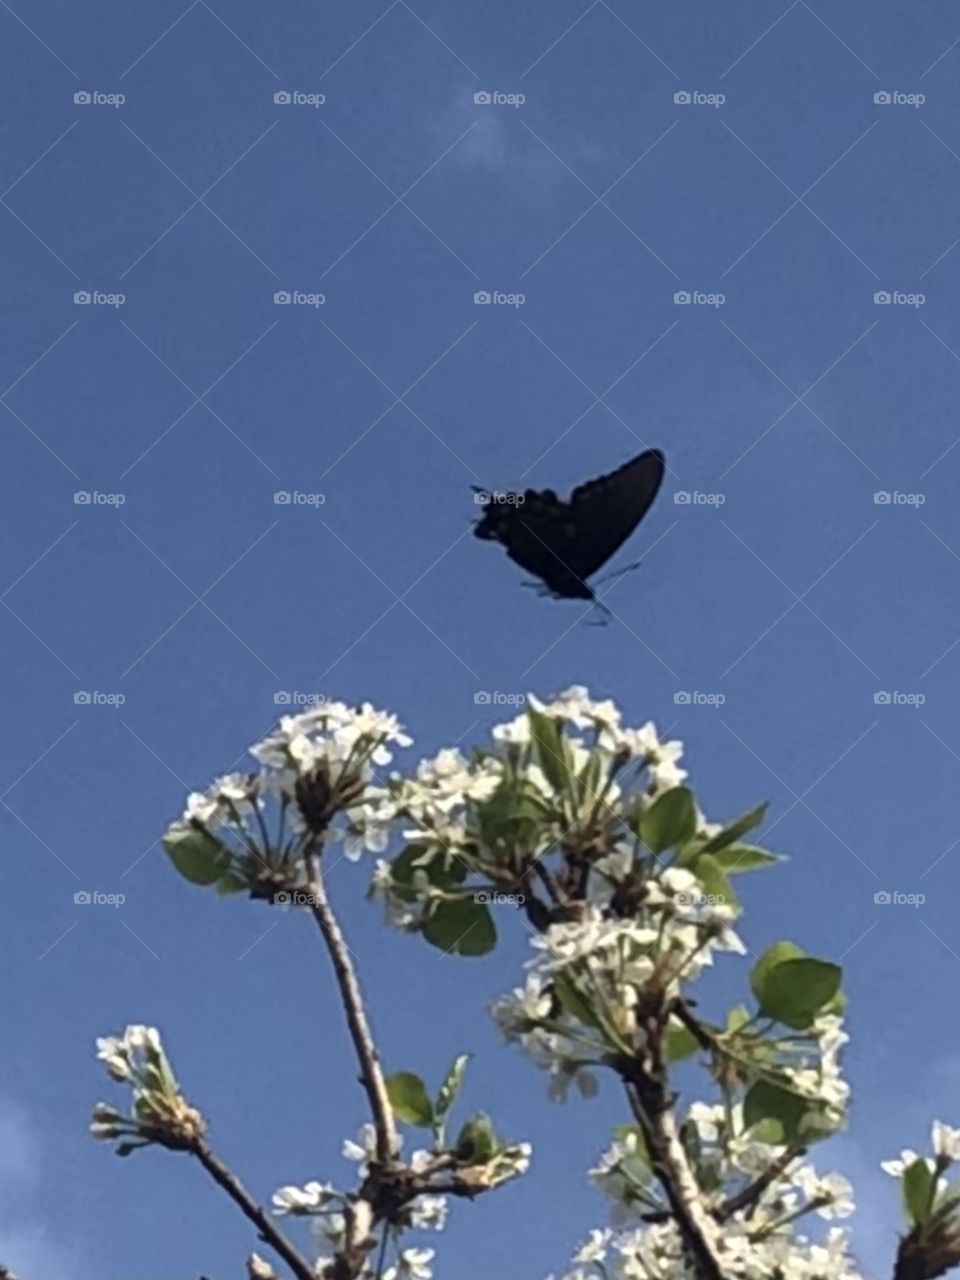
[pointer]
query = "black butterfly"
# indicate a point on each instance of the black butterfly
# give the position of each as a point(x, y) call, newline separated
point(564, 543)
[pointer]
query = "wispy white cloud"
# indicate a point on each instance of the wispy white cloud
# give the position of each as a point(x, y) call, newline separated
point(28, 1244)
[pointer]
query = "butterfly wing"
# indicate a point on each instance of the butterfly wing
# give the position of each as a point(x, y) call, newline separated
point(605, 511)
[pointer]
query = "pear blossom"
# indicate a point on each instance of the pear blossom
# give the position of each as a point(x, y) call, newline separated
point(414, 1264)
point(946, 1141)
point(302, 1200)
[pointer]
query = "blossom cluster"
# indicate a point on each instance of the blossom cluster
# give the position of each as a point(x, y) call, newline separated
point(159, 1112)
point(315, 779)
point(426, 1211)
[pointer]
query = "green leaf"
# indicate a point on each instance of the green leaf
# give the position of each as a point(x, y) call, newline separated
point(738, 1017)
point(737, 858)
point(773, 956)
point(739, 827)
point(714, 883)
point(549, 749)
point(448, 1091)
point(461, 928)
point(781, 1111)
point(441, 872)
point(409, 1099)
point(197, 855)
point(476, 1142)
point(573, 999)
point(670, 820)
point(232, 882)
point(795, 991)
point(680, 1042)
point(590, 776)
point(918, 1188)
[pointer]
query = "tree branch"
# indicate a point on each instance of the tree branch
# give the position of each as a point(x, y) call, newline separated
point(652, 1105)
point(751, 1194)
point(371, 1072)
point(238, 1193)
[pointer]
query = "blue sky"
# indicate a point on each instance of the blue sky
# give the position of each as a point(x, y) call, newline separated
point(798, 598)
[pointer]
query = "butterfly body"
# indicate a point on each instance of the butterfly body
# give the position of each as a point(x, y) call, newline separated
point(564, 542)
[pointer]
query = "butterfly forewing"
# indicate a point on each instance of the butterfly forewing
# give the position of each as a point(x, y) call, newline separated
point(607, 510)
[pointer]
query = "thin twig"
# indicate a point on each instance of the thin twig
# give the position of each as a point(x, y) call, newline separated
point(750, 1195)
point(371, 1072)
point(238, 1193)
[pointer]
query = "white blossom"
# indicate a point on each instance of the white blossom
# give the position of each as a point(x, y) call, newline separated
point(414, 1264)
point(946, 1141)
point(429, 1213)
point(302, 1200)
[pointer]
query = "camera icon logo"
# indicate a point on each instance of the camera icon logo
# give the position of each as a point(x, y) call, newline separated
point(481, 698)
point(481, 298)
point(81, 498)
point(281, 899)
point(281, 498)
point(682, 98)
point(82, 299)
point(83, 898)
point(682, 498)
point(882, 897)
point(482, 98)
point(281, 698)
point(881, 698)
point(82, 698)
point(882, 298)
point(681, 698)
point(482, 895)
point(682, 298)
point(282, 98)
point(281, 298)
point(882, 98)
point(81, 98)
point(882, 498)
